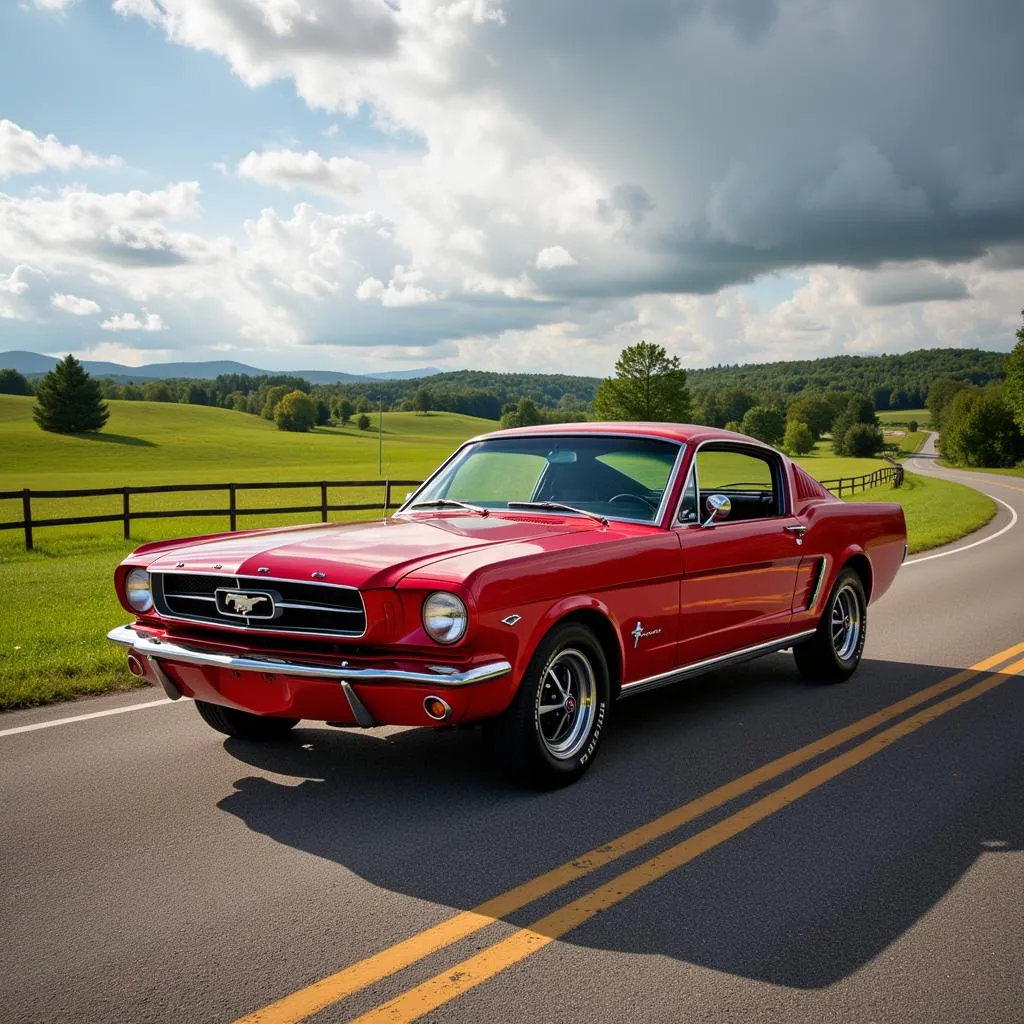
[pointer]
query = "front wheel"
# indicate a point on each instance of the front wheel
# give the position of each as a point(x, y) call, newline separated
point(833, 653)
point(551, 733)
point(242, 724)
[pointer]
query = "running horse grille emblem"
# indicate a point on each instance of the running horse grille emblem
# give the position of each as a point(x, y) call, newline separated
point(251, 605)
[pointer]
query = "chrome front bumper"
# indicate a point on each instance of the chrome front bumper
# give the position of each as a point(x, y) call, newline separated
point(152, 647)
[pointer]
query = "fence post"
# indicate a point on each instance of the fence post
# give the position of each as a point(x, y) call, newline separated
point(126, 513)
point(387, 496)
point(232, 508)
point(26, 508)
point(323, 502)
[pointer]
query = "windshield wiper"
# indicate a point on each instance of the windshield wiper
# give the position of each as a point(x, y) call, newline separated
point(451, 503)
point(559, 507)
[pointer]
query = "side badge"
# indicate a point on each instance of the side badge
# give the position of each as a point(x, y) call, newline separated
point(511, 620)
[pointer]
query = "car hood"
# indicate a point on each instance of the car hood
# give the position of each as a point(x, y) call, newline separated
point(364, 555)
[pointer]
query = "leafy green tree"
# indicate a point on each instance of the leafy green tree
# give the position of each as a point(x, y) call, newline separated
point(862, 440)
point(421, 401)
point(194, 394)
point(323, 413)
point(346, 410)
point(132, 393)
point(709, 410)
point(296, 411)
point(1014, 391)
point(271, 398)
point(765, 423)
point(648, 385)
point(940, 397)
point(363, 422)
point(798, 439)
point(157, 391)
point(815, 410)
point(913, 426)
point(68, 400)
point(735, 427)
point(14, 383)
point(734, 404)
point(858, 409)
point(980, 430)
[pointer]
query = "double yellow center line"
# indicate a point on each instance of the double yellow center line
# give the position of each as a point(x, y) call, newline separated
point(446, 986)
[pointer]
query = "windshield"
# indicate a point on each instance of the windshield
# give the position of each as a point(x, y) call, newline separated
point(607, 475)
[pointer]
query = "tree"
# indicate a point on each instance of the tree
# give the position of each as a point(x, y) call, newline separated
point(734, 404)
point(194, 394)
point(421, 401)
point(798, 439)
point(323, 413)
point(157, 391)
point(363, 422)
point(912, 426)
point(980, 430)
point(132, 393)
point(296, 411)
point(815, 410)
point(1014, 391)
point(14, 383)
point(862, 440)
point(648, 385)
point(765, 423)
point(272, 397)
point(940, 396)
point(68, 400)
point(859, 409)
point(345, 410)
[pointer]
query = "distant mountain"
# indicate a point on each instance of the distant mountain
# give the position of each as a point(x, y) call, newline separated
point(33, 364)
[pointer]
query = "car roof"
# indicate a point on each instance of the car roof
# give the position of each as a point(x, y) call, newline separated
point(678, 432)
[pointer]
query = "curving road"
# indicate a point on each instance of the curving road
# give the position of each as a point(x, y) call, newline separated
point(150, 872)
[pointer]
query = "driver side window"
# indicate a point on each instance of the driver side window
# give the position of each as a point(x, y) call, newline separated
point(751, 480)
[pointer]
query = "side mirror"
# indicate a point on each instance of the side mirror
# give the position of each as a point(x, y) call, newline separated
point(718, 507)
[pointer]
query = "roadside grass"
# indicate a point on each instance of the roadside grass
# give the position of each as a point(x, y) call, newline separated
point(1017, 470)
point(904, 417)
point(907, 442)
point(57, 602)
point(937, 511)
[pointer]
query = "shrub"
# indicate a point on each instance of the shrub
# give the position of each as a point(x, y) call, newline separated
point(798, 439)
point(862, 440)
point(912, 426)
point(764, 423)
point(363, 423)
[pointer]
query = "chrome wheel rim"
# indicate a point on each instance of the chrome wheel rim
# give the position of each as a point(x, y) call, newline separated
point(566, 704)
point(846, 623)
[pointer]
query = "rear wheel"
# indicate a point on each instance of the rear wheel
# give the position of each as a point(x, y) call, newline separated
point(551, 733)
point(242, 724)
point(833, 653)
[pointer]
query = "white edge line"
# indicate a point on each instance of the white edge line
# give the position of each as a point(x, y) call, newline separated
point(82, 718)
point(967, 547)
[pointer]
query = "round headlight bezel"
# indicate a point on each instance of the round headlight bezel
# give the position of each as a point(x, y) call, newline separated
point(443, 604)
point(138, 590)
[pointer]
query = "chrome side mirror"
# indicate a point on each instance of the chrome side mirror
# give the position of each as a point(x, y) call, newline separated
point(718, 507)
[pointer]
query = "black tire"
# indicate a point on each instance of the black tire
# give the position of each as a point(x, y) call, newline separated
point(547, 749)
point(834, 652)
point(242, 724)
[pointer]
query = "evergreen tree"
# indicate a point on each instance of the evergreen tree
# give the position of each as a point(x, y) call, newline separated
point(1014, 392)
point(69, 401)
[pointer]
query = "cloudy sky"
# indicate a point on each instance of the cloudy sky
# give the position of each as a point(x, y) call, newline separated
point(509, 184)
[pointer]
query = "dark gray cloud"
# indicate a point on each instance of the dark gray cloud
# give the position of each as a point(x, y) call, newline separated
point(896, 287)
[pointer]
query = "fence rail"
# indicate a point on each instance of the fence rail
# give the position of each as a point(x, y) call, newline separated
point(29, 522)
point(893, 473)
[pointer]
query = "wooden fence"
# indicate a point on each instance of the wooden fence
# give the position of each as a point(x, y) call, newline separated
point(29, 522)
point(892, 473)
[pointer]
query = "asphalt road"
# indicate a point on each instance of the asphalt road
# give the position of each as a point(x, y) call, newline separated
point(152, 871)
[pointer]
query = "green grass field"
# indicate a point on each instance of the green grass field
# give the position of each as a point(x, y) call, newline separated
point(57, 601)
point(903, 417)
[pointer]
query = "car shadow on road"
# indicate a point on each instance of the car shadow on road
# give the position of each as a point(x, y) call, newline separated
point(802, 899)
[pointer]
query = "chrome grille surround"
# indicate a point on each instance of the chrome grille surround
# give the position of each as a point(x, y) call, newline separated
point(302, 608)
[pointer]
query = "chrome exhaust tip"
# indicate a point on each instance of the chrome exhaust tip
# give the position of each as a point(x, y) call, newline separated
point(437, 709)
point(135, 667)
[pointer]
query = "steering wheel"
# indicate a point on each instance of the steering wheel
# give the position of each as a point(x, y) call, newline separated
point(633, 497)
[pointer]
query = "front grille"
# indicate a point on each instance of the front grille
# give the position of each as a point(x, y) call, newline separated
point(312, 608)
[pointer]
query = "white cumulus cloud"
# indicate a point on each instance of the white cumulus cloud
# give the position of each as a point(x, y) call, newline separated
point(553, 257)
point(131, 322)
point(24, 152)
point(73, 304)
point(289, 169)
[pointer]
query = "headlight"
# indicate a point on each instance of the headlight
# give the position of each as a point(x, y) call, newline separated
point(138, 590)
point(444, 617)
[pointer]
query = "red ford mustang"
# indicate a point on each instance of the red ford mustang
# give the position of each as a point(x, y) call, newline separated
point(537, 576)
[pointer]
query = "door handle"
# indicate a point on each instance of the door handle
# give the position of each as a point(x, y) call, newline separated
point(798, 532)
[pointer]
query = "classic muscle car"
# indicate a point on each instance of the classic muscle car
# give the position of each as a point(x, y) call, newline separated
point(538, 576)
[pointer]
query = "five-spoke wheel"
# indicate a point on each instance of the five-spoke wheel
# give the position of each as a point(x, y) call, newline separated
point(833, 653)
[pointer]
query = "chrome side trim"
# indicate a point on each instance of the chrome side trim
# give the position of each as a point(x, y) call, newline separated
point(152, 647)
point(822, 573)
point(698, 667)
